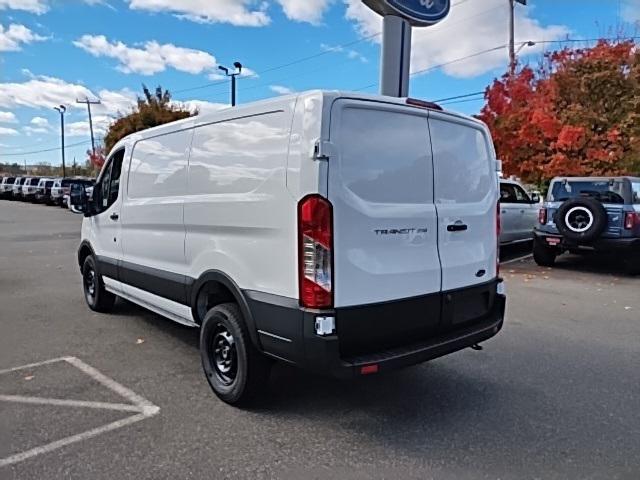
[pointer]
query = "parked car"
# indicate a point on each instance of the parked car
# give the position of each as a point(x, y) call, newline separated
point(6, 187)
point(43, 190)
point(519, 212)
point(29, 188)
point(17, 188)
point(599, 214)
point(348, 237)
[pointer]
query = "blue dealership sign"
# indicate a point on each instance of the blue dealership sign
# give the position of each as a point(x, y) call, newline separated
point(417, 12)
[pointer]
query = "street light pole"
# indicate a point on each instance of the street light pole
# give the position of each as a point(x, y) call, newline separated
point(61, 109)
point(233, 75)
point(512, 34)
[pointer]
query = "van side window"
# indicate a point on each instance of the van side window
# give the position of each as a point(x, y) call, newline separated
point(109, 183)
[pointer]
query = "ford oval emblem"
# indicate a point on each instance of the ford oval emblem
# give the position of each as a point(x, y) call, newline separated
point(422, 11)
point(419, 13)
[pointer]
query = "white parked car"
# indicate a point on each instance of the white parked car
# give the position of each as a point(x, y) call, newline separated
point(519, 212)
point(344, 233)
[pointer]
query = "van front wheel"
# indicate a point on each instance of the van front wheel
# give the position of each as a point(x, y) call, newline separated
point(97, 297)
point(236, 371)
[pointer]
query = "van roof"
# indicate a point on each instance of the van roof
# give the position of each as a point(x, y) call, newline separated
point(327, 96)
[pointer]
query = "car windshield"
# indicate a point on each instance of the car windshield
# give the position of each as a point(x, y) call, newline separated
point(606, 191)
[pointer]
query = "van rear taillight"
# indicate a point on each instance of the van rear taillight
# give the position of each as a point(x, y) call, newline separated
point(631, 219)
point(542, 216)
point(315, 256)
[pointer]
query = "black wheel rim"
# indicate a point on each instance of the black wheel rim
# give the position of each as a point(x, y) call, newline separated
point(90, 281)
point(223, 355)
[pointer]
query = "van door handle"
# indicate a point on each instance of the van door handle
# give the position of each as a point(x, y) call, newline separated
point(456, 227)
point(114, 216)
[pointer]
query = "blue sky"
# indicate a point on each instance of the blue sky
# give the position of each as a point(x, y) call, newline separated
point(53, 52)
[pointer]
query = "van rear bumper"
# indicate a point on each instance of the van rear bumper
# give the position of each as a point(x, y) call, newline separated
point(288, 333)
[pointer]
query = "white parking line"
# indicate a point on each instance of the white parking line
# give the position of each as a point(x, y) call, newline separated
point(122, 407)
point(49, 447)
point(139, 405)
point(514, 260)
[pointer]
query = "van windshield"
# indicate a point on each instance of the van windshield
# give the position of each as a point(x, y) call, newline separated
point(606, 191)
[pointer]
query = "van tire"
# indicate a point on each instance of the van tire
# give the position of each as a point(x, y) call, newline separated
point(96, 296)
point(544, 256)
point(236, 371)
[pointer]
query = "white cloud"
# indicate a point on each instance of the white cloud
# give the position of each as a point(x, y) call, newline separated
point(43, 92)
point(34, 6)
point(470, 28)
point(235, 12)
point(8, 117)
point(29, 131)
point(150, 59)
point(8, 131)
point(310, 11)
point(631, 11)
point(16, 35)
point(281, 90)
point(39, 122)
point(351, 54)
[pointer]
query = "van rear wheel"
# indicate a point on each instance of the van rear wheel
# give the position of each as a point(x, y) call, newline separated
point(236, 371)
point(97, 297)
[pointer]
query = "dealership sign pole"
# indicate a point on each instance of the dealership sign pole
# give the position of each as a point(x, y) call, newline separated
point(398, 17)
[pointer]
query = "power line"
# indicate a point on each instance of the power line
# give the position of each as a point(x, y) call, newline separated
point(44, 150)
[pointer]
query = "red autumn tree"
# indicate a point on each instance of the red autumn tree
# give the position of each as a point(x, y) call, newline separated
point(577, 114)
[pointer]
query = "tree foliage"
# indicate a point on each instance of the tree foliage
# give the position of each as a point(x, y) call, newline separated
point(152, 109)
point(578, 113)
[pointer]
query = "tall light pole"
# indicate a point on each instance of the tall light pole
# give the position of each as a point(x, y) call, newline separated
point(61, 109)
point(233, 75)
point(512, 34)
point(89, 103)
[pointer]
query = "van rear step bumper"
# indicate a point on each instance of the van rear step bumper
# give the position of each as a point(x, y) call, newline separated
point(421, 352)
point(287, 332)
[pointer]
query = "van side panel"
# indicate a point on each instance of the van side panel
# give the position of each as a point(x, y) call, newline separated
point(152, 212)
point(239, 216)
point(381, 188)
point(466, 196)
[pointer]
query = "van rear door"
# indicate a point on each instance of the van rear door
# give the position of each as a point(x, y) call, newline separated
point(385, 222)
point(466, 196)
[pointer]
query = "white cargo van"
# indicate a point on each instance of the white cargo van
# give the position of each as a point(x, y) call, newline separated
point(343, 233)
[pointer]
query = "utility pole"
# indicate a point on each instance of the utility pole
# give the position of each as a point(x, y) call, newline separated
point(238, 67)
point(89, 103)
point(61, 109)
point(512, 34)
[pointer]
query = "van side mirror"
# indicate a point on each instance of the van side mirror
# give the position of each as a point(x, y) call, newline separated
point(535, 198)
point(78, 201)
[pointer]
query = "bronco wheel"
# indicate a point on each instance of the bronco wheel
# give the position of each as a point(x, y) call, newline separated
point(98, 299)
point(543, 255)
point(236, 371)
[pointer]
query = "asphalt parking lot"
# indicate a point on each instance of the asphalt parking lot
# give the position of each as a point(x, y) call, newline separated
point(555, 395)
